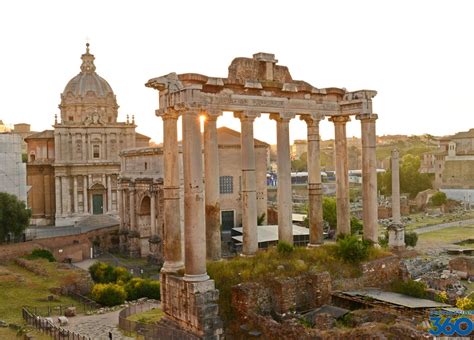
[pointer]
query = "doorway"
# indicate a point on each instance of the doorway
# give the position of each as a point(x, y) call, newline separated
point(97, 204)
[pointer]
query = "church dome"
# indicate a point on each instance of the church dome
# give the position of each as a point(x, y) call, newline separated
point(88, 80)
point(87, 95)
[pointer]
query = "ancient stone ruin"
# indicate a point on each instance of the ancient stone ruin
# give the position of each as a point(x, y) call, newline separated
point(254, 86)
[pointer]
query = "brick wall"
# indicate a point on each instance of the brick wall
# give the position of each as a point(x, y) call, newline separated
point(76, 247)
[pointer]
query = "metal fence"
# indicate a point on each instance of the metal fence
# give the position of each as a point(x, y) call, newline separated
point(47, 327)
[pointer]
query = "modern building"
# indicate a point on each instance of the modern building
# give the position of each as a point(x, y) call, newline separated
point(12, 169)
point(81, 153)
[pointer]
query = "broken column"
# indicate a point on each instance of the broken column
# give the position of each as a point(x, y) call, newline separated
point(396, 231)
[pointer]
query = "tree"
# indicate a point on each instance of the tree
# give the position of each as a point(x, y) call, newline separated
point(329, 211)
point(14, 216)
point(411, 181)
point(439, 198)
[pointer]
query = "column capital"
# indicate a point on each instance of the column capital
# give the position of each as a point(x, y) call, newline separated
point(246, 115)
point(340, 119)
point(313, 118)
point(367, 117)
point(211, 114)
point(282, 116)
point(168, 113)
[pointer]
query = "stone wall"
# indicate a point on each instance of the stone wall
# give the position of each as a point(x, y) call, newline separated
point(463, 264)
point(76, 247)
point(379, 273)
point(281, 295)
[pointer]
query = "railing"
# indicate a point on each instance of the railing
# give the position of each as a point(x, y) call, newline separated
point(47, 327)
point(150, 331)
point(88, 304)
point(135, 326)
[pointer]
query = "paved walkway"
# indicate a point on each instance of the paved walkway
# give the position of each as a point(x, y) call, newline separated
point(436, 227)
point(97, 326)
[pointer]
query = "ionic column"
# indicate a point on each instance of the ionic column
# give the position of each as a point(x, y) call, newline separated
point(58, 198)
point(211, 175)
point(109, 193)
point(369, 177)
point(76, 203)
point(342, 175)
point(194, 219)
point(249, 186)
point(285, 204)
point(172, 248)
point(131, 190)
point(396, 219)
point(90, 205)
point(85, 195)
point(315, 194)
point(84, 148)
point(153, 212)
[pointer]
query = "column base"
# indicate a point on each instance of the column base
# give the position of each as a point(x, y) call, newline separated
point(172, 266)
point(196, 278)
point(191, 310)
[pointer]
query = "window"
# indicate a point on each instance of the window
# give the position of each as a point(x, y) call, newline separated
point(226, 185)
point(146, 166)
point(32, 157)
point(95, 151)
point(71, 118)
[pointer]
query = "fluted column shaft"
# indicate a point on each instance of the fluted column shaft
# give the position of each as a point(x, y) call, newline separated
point(76, 205)
point(153, 213)
point(369, 177)
point(315, 195)
point(85, 196)
point(249, 192)
point(342, 175)
point(172, 248)
point(194, 216)
point(285, 204)
point(211, 175)
point(120, 204)
point(396, 218)
point(58, 196)
point(131, 190)
point(109, 193)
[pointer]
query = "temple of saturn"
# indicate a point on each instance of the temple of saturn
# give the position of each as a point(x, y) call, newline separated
point(254, 86)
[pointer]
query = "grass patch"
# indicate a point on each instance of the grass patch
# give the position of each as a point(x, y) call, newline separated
point(149, 317)
point(273, 264)
point(448, 235)
point(22, 288)
point(10, 334)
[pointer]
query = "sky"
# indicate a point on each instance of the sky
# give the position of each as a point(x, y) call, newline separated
point(418, 55)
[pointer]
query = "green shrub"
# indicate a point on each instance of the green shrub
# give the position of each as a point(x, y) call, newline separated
point(351, 249)
point(411, 238)
point(383, 240)
point(411, 288)
point(41, 254)
point(108, 294)
point(439, 199)
point(284, 247)
point(104, 273)
point(137, 288)
point(356, 225)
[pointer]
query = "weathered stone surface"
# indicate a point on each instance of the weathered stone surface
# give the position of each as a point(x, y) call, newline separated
point(463, 264)
point(70, 311)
